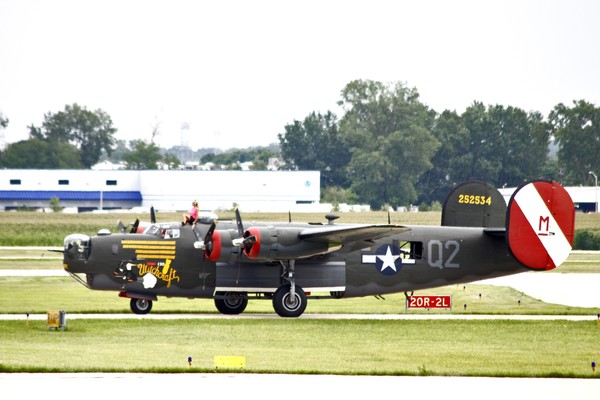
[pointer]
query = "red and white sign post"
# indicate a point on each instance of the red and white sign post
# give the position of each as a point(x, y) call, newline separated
point(429, 302)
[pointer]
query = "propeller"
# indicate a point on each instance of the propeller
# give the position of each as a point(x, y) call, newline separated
point(214, 241)
point(207, 243)
point(244, 241)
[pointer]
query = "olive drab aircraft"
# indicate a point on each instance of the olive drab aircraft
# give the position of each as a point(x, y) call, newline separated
point(481, 236)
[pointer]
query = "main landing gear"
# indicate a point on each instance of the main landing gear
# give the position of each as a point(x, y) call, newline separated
point(289, 300)
point(231, 303)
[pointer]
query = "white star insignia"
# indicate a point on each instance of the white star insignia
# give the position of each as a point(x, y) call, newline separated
point(389, 260)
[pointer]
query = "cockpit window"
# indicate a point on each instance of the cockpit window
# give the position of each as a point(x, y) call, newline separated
point(171, 233)
point(152, 230)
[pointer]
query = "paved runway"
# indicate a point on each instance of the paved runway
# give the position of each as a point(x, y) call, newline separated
point(575, 290)
point(261, 386)
point(41, 317)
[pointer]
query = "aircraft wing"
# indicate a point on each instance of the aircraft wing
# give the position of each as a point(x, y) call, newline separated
point(346, 234)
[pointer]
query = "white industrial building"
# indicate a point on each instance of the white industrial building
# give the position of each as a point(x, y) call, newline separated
point(584, 197)
point(87, 190)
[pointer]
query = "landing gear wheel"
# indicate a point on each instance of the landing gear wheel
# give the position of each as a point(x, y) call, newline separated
point(141, 306)
point(233, 303)
point(286, 305)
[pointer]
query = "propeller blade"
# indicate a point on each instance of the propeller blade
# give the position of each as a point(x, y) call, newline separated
point(134, 226)
point(238, 221)
point(208, 237)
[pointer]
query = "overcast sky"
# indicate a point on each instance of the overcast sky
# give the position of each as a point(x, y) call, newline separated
point(234, 73)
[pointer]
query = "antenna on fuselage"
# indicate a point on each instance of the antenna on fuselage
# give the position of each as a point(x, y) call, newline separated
point(152, 215)
point(331, 218)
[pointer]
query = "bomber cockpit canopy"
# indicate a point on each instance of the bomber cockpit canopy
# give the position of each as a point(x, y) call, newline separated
point(164, 231)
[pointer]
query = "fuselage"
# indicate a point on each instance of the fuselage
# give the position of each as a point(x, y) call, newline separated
point(163, 261)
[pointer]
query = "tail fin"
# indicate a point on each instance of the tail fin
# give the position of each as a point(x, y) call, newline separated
point(540, 224)
point(474, 204)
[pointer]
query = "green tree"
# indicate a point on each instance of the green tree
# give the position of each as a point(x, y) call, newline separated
point(337, 195)
point(90, 132)
point(389, 132)
point(232, 158)
point(3, 125)
point(577, 130)
point(316, 144)
point(42, 154)
point(171, 161)
point(3, 121)
point(436, 183)
point(506, 145)
point(143, 155)
point(525, 138)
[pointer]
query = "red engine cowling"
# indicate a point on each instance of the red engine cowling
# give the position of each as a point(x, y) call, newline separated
point(271, 243)
point(222, 248)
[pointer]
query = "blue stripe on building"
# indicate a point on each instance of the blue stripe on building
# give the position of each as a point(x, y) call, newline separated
point(70, 195)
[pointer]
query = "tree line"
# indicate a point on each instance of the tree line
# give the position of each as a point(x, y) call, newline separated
point(387, 148)
point(390, 149)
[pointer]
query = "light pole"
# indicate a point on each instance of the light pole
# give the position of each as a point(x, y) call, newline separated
point(595, 191)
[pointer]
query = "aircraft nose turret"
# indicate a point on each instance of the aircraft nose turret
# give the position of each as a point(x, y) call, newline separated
point(76, 251)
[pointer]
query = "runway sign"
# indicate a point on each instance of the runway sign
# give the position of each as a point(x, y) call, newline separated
point(429, 302)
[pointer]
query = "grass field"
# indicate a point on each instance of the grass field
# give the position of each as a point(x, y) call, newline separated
point(404, 347)
point(276, 345)
point(433, 347)
point(35, 295)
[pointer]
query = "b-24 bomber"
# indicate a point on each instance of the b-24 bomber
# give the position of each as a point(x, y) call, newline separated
point(290, 262)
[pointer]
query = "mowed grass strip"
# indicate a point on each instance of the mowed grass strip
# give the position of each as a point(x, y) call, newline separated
point(38, 295)
point(433, 347)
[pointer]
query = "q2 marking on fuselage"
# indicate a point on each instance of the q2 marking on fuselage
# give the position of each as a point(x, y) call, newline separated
point(442, 254)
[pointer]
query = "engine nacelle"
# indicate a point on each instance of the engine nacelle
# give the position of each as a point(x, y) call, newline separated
point(222, 248)
point(281, 243)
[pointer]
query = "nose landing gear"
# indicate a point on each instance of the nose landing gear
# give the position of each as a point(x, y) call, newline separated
point(140, 306)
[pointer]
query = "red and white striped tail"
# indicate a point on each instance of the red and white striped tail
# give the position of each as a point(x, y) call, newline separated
point(540, 225)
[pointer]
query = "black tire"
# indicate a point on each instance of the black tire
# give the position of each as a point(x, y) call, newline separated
point(232, 303)
point(287, 306)
point(141, 306)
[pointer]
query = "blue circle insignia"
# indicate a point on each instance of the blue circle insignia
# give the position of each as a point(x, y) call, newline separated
point(388, 260)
